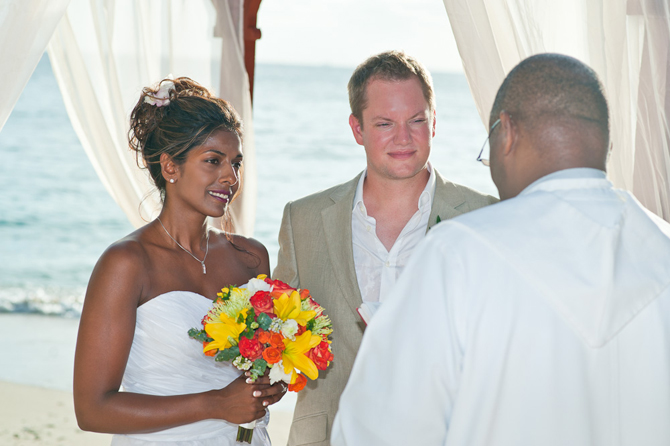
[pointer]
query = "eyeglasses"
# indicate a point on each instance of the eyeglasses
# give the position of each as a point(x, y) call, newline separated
point(484, 156)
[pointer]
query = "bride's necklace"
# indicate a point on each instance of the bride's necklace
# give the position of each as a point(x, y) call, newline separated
point(202, 262)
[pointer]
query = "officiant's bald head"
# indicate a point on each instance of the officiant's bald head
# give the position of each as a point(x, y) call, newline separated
point(553, 116)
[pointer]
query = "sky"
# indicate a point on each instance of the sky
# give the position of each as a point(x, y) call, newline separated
point(343, 33)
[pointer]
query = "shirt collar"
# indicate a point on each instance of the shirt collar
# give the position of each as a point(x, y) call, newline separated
point(568, 174)
point(425, 199)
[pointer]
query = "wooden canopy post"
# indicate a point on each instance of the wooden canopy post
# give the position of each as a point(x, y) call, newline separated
point(251, 34)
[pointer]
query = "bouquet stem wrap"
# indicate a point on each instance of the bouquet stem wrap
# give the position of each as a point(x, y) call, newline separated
point(245, 432)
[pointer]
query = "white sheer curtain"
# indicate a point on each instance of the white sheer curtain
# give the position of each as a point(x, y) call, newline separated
point(627, 42)
point(104, 51)
point(234, 87)
point(25, 29)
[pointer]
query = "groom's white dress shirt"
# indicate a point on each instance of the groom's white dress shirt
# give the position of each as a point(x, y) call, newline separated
point(378, 269)
point(541, 320)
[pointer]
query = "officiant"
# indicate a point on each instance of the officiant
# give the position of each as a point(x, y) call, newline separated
point(541, 320)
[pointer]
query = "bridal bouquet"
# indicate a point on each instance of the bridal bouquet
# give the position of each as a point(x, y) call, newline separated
point(266, 324)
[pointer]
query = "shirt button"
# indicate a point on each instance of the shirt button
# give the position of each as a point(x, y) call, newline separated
point(387, 264)
point(368, 228)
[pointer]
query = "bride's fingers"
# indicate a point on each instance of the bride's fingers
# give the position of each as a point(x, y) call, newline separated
point(264, 379)
point(263, 391)
point(272, 394)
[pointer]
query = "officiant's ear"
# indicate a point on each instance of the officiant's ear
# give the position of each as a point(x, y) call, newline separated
point(508, 133)
point(168, 168)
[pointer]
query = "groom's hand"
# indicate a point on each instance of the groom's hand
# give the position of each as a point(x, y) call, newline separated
point(269, 393)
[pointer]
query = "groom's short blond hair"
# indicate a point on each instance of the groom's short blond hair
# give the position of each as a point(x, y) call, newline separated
point(389, 66)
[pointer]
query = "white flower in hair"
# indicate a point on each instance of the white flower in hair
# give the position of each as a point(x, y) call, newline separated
point(162, 96)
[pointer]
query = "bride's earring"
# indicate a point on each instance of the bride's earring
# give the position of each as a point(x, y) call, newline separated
point(172, 180)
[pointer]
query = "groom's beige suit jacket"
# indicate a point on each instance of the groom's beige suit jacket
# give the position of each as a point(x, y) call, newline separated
point(316, 253)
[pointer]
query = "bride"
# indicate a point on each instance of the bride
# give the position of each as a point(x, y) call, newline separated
point(150, 287)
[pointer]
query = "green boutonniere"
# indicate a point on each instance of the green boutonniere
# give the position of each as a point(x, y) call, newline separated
point(437, 220)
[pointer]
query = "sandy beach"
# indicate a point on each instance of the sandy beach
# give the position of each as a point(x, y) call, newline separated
point(38, 416)
point(36, 407)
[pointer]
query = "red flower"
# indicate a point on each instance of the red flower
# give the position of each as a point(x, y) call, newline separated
point(278, 285)
point(272, 355)
point(321, 355)
point(304, 294)
point(301, 330)
point(262, 302)
point(299, 383)
point(250, 348)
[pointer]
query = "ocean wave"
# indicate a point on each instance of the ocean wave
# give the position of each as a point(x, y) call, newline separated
point(52, 301)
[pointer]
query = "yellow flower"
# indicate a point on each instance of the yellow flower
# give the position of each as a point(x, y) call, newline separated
point(294, 356)
point(291, 308)
point(222, 330)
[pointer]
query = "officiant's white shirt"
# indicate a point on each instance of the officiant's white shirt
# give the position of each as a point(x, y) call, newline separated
point(541, 320)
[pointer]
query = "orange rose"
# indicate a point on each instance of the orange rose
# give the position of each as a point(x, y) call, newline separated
point(210, 352)
point(263, 336)
point(272, 355)
point(304, 294)
point(276, 341)
point(299, 384)
point(278, 293)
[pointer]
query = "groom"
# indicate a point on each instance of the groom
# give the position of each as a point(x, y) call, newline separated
point(348, 244)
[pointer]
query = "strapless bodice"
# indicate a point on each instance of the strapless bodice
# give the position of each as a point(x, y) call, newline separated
point(163, 360)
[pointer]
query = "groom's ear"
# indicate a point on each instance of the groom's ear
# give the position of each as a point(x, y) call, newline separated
point(356, 128)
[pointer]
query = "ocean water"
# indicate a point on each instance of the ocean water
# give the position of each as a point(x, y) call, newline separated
point(56, 218)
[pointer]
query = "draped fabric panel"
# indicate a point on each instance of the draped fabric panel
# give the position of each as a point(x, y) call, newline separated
point(104, 52)
point(234, 87)
point(627, 42)
point(25, 29)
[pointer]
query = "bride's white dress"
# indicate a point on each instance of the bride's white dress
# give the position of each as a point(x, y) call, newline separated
point(165, 361)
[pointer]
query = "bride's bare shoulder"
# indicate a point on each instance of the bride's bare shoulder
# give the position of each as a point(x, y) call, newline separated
point(131, 248)
point(124, 260)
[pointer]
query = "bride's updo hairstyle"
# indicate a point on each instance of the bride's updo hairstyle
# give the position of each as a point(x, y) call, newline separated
point(174, 117)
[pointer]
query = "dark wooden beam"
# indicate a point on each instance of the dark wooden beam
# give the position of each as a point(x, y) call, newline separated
point(251, 34)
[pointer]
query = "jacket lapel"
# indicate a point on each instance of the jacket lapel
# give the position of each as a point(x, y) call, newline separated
point(446, 201)
point(337, 227)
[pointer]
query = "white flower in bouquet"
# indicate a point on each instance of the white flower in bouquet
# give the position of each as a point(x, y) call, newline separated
point(255, 285)
point(289, 328)
point(277, 373)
